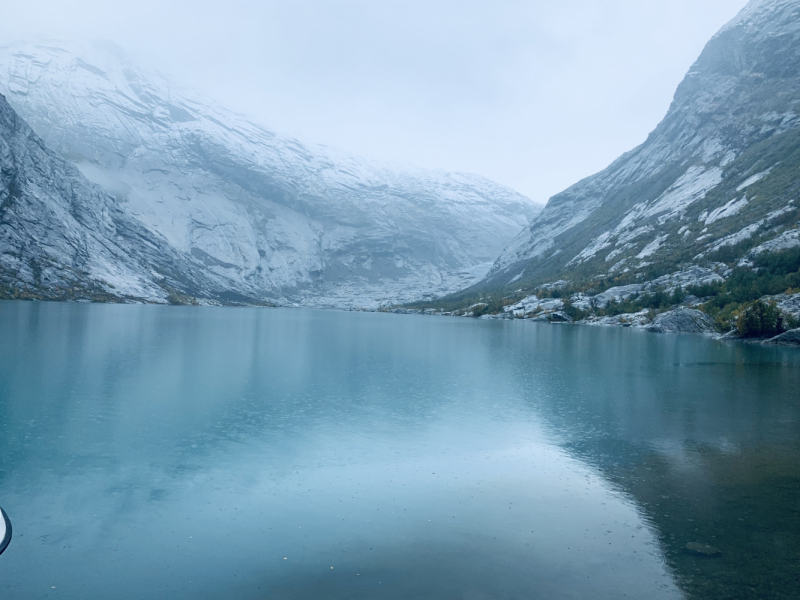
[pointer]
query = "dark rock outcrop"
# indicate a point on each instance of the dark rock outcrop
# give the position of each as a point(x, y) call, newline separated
point(682, 320)
point(789, 338)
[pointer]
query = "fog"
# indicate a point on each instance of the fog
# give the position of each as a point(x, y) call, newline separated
point(533, 94)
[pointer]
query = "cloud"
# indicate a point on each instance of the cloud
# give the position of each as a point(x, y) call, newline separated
point(534, 94)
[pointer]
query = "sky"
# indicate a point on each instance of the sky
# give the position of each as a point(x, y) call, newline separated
point(534, 94)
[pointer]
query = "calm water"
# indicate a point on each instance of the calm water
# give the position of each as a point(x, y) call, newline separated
point(192, 453)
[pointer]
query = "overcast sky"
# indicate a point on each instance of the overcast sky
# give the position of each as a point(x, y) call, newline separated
point(535, 94)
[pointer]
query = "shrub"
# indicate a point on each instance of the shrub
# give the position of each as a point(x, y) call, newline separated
point(573, 312)
point(760, 319)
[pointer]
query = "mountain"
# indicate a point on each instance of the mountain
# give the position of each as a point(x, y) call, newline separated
point(62, 237)
point(261, 215)
point(717, 181)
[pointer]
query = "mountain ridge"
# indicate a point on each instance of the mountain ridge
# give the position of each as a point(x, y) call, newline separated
point(63, 238)
point(274, 218)
point(744, 90)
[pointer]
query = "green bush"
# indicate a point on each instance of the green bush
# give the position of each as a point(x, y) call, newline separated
point(760, 319)
point(573, 312)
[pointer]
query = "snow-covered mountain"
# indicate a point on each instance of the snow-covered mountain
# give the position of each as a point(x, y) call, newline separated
point(718, 179)
point(61, 237)
point(260, 215)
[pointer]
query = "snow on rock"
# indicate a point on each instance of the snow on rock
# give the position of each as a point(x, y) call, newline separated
point(517, 277)
point(694, 185)
point(730, 209)
point(595, 246)
point(683, 320)
point(616, 294)
point(532, 305)
point(652, 247)
point(268, 215)
point(61, 238)
point(731, 240)
point(788, 303)
point(787, 240)
point(694, 275)
point(553, 285)
point(691, 276)
point(639, 319)
point(732, 98)
point(753, 180)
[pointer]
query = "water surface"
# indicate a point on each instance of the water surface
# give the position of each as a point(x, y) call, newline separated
point(192, 453)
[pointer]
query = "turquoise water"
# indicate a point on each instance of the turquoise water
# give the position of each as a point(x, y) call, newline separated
point(191, 453)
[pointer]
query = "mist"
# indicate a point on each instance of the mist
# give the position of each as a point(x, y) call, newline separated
point(535, 95)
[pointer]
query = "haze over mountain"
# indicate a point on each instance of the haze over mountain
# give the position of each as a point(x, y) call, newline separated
point(717, 179)
point(269, 217)
point(531, 94)
point(62, 237)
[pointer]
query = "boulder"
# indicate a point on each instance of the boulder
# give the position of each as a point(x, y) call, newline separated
point(682, 320)
point(639, 319)
point(559, 317)
point(553, 317)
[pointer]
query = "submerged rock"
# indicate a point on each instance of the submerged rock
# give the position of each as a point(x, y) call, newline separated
point(698, 549)
point(789, 338)
point(682, 320)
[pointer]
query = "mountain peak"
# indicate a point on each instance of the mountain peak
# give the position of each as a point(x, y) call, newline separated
point(728, 140)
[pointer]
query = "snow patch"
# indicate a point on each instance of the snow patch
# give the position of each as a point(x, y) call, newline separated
point(517, 278)
point(732, 239)
point(754, 179)
point(596, 245)
point(730, 209)
point(632, 235)
point(694, 185)
point(785, 241)
point(652, 247)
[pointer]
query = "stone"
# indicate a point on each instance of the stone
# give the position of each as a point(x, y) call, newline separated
point(559, 317)
point(705, 550)
point(682, 320)
point(788, 338)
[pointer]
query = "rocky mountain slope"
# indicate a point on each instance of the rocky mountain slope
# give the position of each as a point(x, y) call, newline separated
point(717, 181)
point(260, 215)
point(61, 237)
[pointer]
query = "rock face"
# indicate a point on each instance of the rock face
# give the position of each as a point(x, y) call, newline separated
point(789, 338)
point(265, 215)
point(638, 320)
point(63, 238)
point(682, 320)
point(787, 303)
point(718, 175)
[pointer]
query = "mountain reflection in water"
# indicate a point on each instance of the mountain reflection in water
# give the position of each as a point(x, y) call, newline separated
point(197, 453)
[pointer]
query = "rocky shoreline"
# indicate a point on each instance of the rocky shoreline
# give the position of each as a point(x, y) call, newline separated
point(686, 317)
point(680, 320)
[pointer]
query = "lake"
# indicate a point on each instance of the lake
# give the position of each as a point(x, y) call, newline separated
point(192, 453)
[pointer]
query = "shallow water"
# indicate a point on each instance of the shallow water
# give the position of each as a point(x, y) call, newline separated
point(177, 453)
